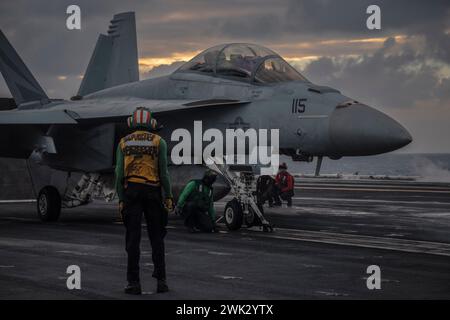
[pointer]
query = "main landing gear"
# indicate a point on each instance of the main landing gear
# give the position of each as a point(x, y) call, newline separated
point(89, 185)
point(49, 204)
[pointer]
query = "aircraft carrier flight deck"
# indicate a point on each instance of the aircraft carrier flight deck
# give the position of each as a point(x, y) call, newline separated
point(320, 249)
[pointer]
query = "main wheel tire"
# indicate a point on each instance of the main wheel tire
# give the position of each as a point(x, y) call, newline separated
point(233, 215)
point(49, 204)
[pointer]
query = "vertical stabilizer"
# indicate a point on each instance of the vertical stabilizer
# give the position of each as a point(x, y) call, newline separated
point(23, 86)
point(115, 58)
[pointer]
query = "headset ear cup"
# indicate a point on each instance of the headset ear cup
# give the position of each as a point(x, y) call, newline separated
point(153, 124)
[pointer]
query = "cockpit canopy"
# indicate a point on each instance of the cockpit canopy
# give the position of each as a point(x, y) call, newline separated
point(244, 62)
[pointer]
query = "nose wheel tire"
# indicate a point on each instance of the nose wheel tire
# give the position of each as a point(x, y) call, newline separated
point(49, 204)
point(233, 215)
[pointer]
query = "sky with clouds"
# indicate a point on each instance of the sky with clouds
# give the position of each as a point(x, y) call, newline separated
point(402, 69)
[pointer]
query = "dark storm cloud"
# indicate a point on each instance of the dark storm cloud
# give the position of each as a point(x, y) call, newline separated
point(164, 69)
point(348, 16)
point(443, 91)
point(438, 45)
point(394, 76)
point(187, 25)
point(37, 31)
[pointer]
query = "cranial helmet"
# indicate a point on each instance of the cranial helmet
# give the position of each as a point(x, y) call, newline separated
point(142, 118)
point(209, 177)
point(283, 166)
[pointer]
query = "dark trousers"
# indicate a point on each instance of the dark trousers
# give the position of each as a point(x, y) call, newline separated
point(286, 196)
point(197, 217)
point(267, 195)
point(143, 199)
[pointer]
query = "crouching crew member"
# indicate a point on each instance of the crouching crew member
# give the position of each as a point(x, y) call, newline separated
point(284, 183)
point(196, 204)
point(141, 171)
point(265, 188)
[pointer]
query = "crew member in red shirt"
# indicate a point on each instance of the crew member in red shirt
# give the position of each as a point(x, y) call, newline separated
point(284, 183)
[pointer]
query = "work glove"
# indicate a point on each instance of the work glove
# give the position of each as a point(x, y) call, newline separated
point(168, 203)
point(121, 207)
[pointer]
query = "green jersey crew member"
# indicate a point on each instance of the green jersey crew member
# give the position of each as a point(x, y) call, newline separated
point(141, 171)
point(196, 204)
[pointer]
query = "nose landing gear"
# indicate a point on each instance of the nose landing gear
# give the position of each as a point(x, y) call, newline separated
point(243, 208)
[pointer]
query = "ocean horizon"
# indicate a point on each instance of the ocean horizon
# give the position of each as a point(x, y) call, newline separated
point(423, 166)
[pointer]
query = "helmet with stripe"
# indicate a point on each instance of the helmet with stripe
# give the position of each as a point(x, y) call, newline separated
point(142, 118)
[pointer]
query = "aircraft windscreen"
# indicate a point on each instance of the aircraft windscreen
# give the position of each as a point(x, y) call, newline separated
point(203, 62)
point(277, 70)
point(240, 61)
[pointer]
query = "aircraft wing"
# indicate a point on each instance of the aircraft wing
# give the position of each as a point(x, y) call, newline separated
point(37, 117)
point(103, 110)
point(22, 131)
point(110, 109)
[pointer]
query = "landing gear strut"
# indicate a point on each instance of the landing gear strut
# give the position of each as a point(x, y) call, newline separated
point(50, 201)
point(318, 165)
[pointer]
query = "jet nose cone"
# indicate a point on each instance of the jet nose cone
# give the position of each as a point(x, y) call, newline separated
point(358, 130)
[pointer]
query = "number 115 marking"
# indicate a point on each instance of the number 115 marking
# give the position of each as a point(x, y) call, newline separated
point(298, 105)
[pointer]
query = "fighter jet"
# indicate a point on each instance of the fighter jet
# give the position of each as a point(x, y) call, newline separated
point(70, 144)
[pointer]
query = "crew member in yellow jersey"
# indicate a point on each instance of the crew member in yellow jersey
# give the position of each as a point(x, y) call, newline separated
point(141, 178)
